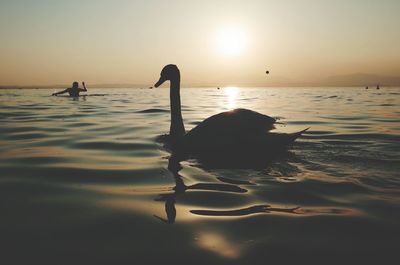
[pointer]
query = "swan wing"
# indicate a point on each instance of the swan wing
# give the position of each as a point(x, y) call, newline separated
point(235, 122)
point(240, 129)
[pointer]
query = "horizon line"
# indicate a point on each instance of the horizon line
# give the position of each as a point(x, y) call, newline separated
point(134, 86)
point(345, 80)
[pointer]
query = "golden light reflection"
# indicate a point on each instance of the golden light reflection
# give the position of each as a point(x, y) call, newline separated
point(218, 244)
point(232, 94)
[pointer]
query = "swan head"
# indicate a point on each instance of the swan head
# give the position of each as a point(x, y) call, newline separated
point(169, 72)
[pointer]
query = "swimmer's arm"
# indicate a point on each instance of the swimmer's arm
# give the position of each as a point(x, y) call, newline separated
point(84, 87)
point(61, 92)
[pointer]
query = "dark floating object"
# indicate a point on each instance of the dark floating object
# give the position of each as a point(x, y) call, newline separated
point(377, 87)
point(267, 72)
point(366, 87)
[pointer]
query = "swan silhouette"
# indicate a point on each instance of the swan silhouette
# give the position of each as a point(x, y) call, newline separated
point(237, 131)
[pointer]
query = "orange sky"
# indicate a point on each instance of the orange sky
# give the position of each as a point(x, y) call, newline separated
point(56, 42)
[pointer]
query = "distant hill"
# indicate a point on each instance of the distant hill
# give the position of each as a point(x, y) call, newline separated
point(361, 79)
point(358, 79)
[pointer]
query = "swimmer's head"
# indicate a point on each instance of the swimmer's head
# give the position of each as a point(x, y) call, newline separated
point(75, 84)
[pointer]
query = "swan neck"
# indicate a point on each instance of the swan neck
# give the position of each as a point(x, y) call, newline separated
point(177, 129)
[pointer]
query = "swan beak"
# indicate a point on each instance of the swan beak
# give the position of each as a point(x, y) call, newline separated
point(160, 82)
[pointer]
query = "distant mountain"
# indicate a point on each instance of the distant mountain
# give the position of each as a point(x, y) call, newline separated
point(358, 79)
point(361, 79)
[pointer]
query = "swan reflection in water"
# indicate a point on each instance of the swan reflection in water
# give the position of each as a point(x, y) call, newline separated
point(180, 188)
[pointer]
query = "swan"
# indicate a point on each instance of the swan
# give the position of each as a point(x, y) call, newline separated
point(236, 131)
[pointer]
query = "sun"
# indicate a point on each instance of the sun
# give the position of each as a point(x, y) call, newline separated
point(231, 41)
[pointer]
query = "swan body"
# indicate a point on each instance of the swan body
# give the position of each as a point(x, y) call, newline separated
point(231, 131)
point(238, 129)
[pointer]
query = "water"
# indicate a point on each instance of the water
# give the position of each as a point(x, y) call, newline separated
point(83, 181)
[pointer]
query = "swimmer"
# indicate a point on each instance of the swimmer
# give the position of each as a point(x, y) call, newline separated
point(73, 91)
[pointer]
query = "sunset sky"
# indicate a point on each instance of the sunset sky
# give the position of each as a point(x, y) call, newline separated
point(46, 42)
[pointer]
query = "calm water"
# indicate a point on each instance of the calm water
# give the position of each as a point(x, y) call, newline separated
point(82, 181)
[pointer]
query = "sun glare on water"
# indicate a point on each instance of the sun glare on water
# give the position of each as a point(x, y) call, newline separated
point(231, 41)
point(232, 94)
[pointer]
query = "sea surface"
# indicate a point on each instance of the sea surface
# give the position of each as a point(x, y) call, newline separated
point(83, 180)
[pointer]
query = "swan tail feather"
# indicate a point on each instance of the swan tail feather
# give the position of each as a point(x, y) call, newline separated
point(296, 135)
